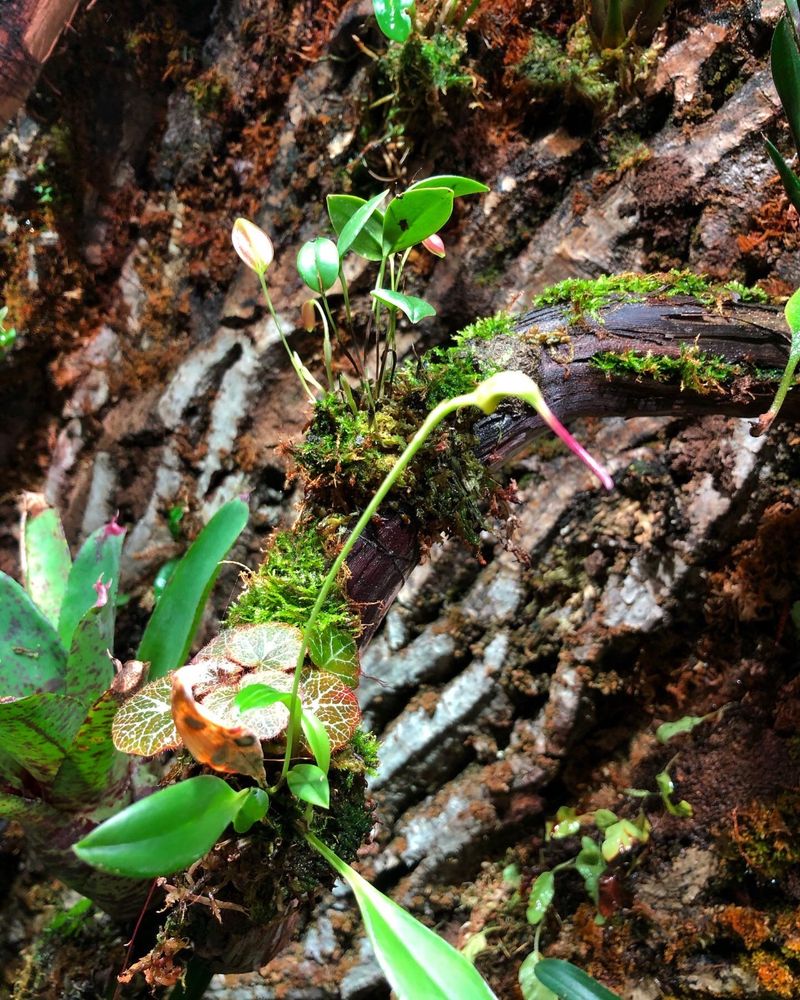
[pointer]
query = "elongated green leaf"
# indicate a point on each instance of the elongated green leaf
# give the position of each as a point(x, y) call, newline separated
point(358, 223)
point(416, 309)
point(531, 987)
point(93, 768)
point(98, 558)
point(785, 65)
point(165, 832)
point(613, 30)
point(37, 731)
point(89, 670)
point(334, 650)
point(416, 962)
point(47, 562)
point(793, 10)
point(789, 179)
point(458, 185)
point(414, 216)
point(569, 982)
point(169, 633)
point(318, 264)
point(253, 808)
point(393, 18)
point(318, 740)
point(310, 784)
point(542, 892)
point(31, 657)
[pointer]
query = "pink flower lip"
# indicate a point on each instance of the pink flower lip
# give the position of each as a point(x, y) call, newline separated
point(101, 589)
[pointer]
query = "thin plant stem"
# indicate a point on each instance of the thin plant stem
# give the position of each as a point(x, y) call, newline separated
point(262, 278)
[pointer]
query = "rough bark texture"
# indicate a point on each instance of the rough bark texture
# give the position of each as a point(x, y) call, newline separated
point(508, 682)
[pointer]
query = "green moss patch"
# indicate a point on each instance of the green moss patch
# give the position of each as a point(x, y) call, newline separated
point(692, 369)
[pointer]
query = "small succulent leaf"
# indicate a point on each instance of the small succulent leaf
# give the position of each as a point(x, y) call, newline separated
point(176, 618)
point(458, 185)
point(334, 649)
point(317, 738)
point(37, 731)
point(268, 719)
point(253, 808)
point(785, 66)
point(98, 558)
point(90, 670)
point(603, 818)
point(414, 216)
point(686, 724)
point(393, 18)
point(31, 656)
point(530, 986)
point(358, 224)
point(335, 705)
point(789, 179)
point(590, 865)
point(93, 769)
point(621, 837)
point(569, 982)
point(272, 644)
point(318, 264)
point(416, 962)
point(666, 787)
point(412, 307)
point(567, 824)
point(143, 725)
point(541, 896)
point(165, 832)
point(309, 783)
point(46, 560)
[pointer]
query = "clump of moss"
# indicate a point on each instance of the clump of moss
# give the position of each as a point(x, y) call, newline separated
point(487, 328)
point(366, 747)
point(693, 369)
point(576, 75)
point(285, 587)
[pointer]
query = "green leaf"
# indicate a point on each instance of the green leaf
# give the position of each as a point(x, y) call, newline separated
point(255, 696)
point(613, 30)
point(270, 644)
point(163, 577)
point(144, 725)
point(789, 179)
point(31, 657)
point(667, 730)
point(393, 18)
point(310, 784)
point(174, 622)
point(165, 832)
point(414, 216)
point(358, 224)
point(335, 705)
point(416, 962)
point(334, 650)
point(666, 787)
point(89, 670)
point(416, 309)
point(566, 824)
point(785, 65)
point(37, 732)
point(542, 892)
point(604, 818)
point(28, 811)
point(531, 987)
point(93, 769)
point(253, 808)
point(792, 313)
point(458, 185)
point(98, 557)
point(620, 837)
point(318, 264)
point(590, 865)
point(47, 562)
point(317, 738)
point(569, 982)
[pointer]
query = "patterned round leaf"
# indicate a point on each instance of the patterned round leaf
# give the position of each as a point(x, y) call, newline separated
point(272, 644)
point(144, 725)
point(267, 723)
point(335, 705)
point(334, 649)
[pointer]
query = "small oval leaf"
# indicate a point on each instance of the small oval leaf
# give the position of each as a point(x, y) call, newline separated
point(416, 309)
point(318, 264)
point(309, 783)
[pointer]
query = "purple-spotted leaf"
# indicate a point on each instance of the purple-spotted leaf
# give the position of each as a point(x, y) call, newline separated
point(272, 644)
point(335, 705)
point(99, 557)
point(143, 725)
point(27, 811)
point(46, 559)
point(37, 731)
point(93, 769)
point(334, 649)
point(90, 670)
point(31, 657)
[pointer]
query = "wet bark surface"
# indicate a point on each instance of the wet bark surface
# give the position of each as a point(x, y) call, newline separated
point(531, 673)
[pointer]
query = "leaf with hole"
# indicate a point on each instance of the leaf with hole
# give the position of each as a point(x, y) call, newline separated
point(412, 307)
point(165, 832)
point(414, 216)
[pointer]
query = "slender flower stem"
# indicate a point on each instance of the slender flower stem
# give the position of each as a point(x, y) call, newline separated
point(265, 290)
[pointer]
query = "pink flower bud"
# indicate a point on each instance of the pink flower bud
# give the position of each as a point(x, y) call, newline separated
point(435, 245)
point(113, 528)
point(253, 245)
point(101, 589)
